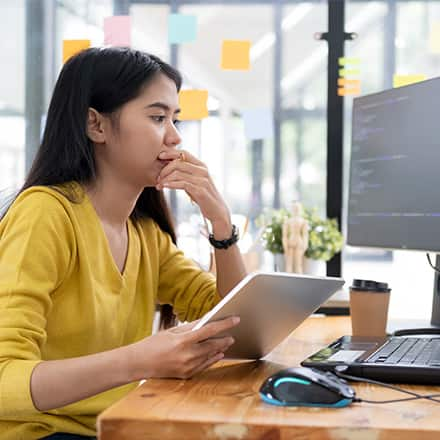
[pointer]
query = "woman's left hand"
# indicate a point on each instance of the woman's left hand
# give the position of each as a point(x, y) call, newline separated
point(190, 174)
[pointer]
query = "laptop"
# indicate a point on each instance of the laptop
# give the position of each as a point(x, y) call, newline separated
point(270, 307)
point(411, 359)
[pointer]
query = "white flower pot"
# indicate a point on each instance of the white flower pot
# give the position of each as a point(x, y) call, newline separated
point(279, 264)
point(314, 267)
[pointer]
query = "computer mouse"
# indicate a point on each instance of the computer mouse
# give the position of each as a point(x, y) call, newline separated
point(303, 386)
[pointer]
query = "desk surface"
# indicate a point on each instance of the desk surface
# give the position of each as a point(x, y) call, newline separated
point(223, 403)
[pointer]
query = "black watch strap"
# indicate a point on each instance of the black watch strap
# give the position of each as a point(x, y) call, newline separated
point(224, 244)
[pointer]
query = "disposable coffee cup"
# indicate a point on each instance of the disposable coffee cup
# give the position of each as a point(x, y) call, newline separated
point(369, 302)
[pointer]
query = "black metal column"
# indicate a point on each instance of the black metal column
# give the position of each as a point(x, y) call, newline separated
point(34, 82)
point(335, 113)
point(277, 72)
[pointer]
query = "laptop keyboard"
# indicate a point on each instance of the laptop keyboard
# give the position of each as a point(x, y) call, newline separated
point(412, 351)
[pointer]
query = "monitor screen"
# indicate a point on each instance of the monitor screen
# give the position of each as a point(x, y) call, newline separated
point(394, 191)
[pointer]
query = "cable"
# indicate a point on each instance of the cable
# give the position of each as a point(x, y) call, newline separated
point(416, 396)
point(430, 263)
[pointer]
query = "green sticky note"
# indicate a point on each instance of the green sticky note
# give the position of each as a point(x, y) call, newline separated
point(344, 61)
point(349, 72)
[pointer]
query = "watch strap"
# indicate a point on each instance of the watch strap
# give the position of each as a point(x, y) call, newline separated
point(224, 244)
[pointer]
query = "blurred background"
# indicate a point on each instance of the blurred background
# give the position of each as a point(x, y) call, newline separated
point(288, 75)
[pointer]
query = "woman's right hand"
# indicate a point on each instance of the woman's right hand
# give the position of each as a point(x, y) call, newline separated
point(180, 352)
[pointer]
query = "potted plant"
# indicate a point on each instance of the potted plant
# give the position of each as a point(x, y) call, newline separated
point(271, 223)
point(325, 239)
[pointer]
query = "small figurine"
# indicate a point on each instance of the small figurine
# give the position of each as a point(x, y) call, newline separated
point(295, 239)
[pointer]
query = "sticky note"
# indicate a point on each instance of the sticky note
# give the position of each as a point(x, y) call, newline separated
point(344, 61)
point(182, 28)
point(72, 47)
point(434, 38)
point(193, 104)
point(404, 80)
point(346, 91)
point(235, 55)
point(258, 123)
point(117, 30)
point(345, 82)
point(349, 72)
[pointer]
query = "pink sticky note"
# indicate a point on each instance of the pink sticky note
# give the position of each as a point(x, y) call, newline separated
point(117, 30)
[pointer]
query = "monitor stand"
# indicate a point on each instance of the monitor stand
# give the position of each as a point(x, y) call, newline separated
point(419, 326)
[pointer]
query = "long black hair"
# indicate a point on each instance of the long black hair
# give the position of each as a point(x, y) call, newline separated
point(105, 79)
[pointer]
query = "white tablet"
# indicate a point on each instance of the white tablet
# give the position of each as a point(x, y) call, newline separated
point(270, 307)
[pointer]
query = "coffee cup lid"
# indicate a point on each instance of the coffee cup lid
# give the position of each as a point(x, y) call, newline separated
point(370, 286)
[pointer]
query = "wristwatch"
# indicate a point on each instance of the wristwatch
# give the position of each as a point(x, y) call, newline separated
point(224, 244)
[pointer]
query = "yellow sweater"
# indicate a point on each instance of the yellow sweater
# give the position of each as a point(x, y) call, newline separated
point(62, 296)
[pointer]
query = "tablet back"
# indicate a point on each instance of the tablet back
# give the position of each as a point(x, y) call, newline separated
point(270, 306)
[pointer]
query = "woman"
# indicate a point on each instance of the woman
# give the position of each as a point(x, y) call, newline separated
point(87, 250)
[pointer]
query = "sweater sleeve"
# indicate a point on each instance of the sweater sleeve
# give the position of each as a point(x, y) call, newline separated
point(182, 283)
point(36, 238)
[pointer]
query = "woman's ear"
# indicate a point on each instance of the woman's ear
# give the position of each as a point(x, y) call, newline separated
point(95, 126)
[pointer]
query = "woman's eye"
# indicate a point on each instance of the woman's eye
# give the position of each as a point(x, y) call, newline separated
point(158, 118)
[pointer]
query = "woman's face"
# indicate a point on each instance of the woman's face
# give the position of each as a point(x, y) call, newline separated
point(145, 127)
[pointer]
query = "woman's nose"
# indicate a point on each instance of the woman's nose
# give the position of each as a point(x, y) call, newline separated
point(173, 135)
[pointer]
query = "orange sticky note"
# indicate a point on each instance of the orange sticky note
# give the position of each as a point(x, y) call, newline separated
point(404, 80)
point(72, 47)
point(356, 83)
point(235, 55)
point(193, 104)
point(344, 91)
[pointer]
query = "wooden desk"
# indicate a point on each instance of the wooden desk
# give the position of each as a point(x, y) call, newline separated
point(223, 403)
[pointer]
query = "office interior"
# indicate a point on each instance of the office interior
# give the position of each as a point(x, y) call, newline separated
point(295, 46)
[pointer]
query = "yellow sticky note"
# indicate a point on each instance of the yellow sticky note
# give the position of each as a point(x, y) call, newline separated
point(344, 61)
point(404, 80)
point(235, 55)
point(434, 38)
point(72, 47)
point(349, 72)
point(193, 104)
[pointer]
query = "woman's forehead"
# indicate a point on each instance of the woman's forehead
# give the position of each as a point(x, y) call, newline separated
point(160, 89)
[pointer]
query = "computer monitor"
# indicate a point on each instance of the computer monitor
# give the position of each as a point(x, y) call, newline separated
point(394, 190)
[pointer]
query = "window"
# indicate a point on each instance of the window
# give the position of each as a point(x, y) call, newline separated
point(383, 54)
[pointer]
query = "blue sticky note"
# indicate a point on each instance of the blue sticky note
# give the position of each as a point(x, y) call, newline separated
point(258, 123)
point(182, 28)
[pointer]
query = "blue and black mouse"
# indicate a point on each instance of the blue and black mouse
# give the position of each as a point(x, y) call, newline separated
point(307, 387)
